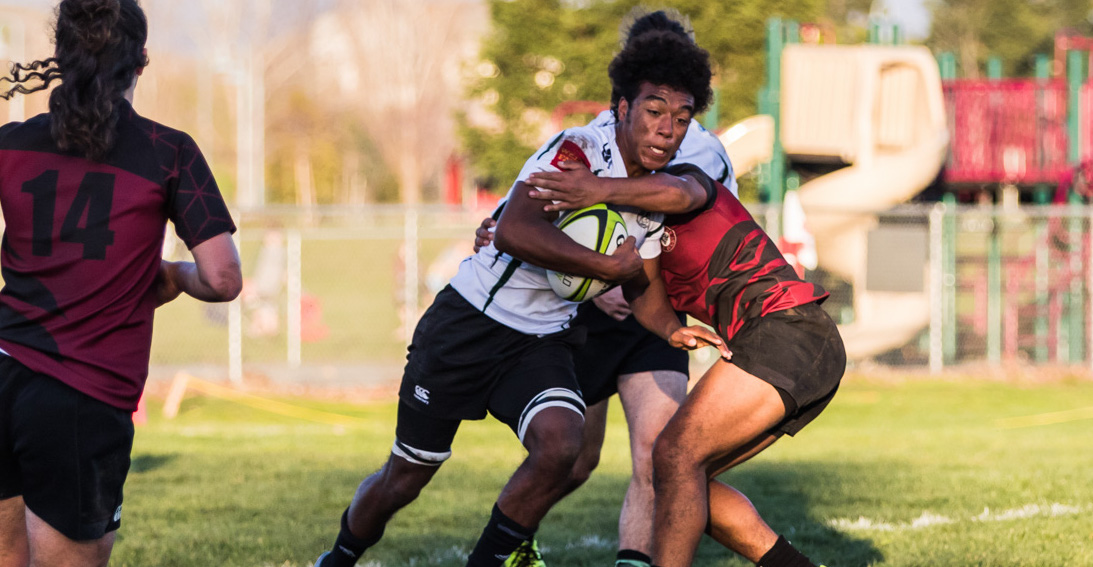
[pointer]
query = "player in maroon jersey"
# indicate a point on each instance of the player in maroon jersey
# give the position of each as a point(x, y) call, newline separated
point(720, 267)
point(87, 190)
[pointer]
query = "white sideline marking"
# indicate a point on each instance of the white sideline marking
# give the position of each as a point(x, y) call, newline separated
point(590, 542)
point(457, 554)
point(1028, 511)
point(929, 519)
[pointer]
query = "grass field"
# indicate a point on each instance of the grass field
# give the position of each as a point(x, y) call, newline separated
point(900, 472)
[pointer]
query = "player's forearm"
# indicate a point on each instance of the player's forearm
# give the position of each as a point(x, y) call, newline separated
point(545, 246)
point(213, 285)
point(656, 316)
point(658, 192)
point(651, 307)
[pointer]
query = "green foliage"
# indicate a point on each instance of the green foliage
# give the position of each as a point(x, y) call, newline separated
point(303, 133)
point(850, 19)
point(1015, 30)
point(897, 472)
point(569, 44)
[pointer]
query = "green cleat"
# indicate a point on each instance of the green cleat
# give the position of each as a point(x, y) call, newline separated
point(527, 555)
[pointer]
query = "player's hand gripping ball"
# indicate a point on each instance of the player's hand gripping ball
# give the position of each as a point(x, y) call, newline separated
point(596, 227)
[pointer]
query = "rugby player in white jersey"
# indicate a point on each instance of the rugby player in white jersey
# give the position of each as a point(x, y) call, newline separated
point(620, 355)
point(499, 341)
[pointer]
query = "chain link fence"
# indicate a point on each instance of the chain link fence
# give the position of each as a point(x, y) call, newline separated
point(331, 295)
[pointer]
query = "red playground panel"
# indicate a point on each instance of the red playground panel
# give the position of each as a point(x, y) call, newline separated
point(1008, 131)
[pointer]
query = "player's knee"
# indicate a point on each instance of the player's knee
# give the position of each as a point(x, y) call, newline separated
point(642, 466)
point(408, 471)
point(587, 461)
point(400, 488)
point(552, 427)
point(641, 453)
point(666, 458)
point(554, 441)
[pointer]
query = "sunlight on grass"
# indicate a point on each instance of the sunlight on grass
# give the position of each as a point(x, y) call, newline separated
point(917, 472)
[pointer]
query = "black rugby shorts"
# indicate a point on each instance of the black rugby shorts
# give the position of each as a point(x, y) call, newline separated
point(66, 453)
point(462, 364)
point(616, 348)
point(799, 352)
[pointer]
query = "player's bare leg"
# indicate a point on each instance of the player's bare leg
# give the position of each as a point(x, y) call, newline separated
point(650, 399)
point(553, 441)
point(738, 525)
point(728, 412)
point(595, 428)
point(595, 425)
point(50, 548)
point(384, 492)
point(13, 533)
point(733, 520)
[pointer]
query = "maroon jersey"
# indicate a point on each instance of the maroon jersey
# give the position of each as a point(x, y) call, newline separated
point(721, 268)
point(83, 243)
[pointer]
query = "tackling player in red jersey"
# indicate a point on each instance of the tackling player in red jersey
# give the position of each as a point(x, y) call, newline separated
point(787, 360)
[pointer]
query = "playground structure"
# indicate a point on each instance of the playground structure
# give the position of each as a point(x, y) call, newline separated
point(874, 117)
point(853, 132)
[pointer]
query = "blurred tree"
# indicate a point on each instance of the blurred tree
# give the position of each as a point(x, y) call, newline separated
point(1015, 30)
point(544, 52)
point(397, 80)
point(244, 54)
point(850, 19)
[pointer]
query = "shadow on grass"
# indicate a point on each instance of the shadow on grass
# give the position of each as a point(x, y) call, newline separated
point(149, 462)
point(791, 497)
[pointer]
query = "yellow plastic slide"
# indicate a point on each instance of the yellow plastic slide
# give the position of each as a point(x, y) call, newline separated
point(878, 110)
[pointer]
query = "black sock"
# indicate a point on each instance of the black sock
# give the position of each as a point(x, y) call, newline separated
point(348, 548)
point(783, 554)
point(633, 556)
point(500, 538)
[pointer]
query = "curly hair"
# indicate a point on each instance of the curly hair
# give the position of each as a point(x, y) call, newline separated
point(641, 20)
point(98, 51)
point(661, 56)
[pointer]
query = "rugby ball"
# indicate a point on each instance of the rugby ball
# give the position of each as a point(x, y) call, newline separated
point(596, 227)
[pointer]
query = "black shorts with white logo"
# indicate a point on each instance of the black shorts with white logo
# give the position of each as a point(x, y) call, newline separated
point(66, 453)
point(462, 364)
point(616, 348)
point(798, 351)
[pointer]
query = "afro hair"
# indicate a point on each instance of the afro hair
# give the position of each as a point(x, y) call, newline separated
point(661, 57)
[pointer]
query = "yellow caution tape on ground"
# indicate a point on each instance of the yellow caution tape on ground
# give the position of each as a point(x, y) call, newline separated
point(183, 381)
point(1046, 418)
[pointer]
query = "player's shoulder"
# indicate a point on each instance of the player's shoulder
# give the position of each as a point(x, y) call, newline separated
point(156, 132)
point(604, 118)
point(26, 135)
point(151, 149)
point(588, 144)
point(591, 136)
point(702, 140)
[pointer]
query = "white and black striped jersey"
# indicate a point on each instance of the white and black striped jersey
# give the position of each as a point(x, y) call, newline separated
point(517, 294)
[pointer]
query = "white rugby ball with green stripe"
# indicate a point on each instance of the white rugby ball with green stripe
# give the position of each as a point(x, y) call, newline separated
point(596, 227)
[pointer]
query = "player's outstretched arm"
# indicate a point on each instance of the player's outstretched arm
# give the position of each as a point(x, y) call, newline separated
point(214, 275)
point(526, 232)
point(575, 187)
point(649, 301)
